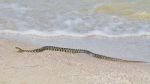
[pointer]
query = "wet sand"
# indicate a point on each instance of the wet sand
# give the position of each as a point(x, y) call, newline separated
point(64, 68)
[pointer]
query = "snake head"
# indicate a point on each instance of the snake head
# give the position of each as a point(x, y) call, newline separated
point(19, 50)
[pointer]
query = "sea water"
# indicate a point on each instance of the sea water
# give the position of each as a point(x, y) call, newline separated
point(117, 28)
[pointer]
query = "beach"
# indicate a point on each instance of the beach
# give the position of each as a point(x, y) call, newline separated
point(113, 28)
point(65, 68)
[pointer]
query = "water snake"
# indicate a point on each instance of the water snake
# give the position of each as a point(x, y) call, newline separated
point(70, 50)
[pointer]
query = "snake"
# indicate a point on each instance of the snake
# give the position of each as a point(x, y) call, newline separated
point(70, 50)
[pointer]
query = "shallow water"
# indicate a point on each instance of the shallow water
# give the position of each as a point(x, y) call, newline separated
point(78, 18)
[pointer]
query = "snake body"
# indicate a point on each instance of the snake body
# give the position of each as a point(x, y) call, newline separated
point(70, 50)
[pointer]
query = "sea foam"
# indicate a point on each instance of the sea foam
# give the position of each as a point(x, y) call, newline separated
point(72, 34)
point(46, 22)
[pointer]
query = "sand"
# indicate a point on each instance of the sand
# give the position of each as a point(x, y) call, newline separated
point(64, 68)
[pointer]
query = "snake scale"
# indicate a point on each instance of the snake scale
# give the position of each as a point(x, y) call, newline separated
point(70, 50)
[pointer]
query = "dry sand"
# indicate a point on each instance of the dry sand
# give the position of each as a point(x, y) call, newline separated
point(64, 68)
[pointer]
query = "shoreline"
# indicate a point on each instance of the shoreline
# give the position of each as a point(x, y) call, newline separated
point(65, 68)
point(136, 48)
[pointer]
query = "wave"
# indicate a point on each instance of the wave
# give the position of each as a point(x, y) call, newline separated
point(25, 19)
point(72, 34)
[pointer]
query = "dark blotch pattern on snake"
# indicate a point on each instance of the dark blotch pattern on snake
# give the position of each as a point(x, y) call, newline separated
point(70, 50)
